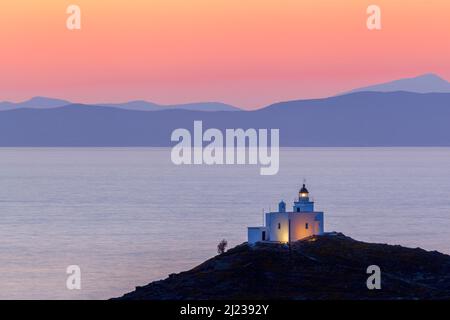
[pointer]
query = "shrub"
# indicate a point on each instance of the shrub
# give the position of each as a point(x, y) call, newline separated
point(221, 247)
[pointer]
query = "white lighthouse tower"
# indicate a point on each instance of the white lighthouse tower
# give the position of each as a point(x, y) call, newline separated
point(282, 226)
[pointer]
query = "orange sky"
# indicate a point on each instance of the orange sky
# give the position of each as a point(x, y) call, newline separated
point(244, 52)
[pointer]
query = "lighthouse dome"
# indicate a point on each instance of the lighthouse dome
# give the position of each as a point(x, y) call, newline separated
point(303, 194)
point(303, 189)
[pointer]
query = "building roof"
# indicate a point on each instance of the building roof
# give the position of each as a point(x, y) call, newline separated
point(303, 189)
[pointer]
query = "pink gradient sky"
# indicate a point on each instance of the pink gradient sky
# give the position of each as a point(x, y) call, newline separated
point(247, 53)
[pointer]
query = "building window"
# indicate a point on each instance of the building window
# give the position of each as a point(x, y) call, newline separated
point(263, 236)
point(298, 209)
point(307, 226)
point(279, 226)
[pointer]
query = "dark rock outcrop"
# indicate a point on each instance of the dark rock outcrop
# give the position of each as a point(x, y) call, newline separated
point(332, 266)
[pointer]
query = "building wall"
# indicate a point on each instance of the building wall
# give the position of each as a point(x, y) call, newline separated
point(314, 220)
point(277, 224)
point(275, 219)
point(307, 206)
point(254, 234)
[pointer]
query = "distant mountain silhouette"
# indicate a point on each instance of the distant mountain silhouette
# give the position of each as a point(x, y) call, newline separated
point(47, 103)
point(357, 119)
point(426, 83)
point(34, 103)
point(141, 105)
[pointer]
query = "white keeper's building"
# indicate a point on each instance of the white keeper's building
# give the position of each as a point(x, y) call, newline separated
point(283, 226)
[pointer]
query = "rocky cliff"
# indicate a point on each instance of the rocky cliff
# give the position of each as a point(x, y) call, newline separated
point(332, 266)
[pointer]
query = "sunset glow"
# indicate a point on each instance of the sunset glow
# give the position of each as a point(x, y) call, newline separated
point(247, 53)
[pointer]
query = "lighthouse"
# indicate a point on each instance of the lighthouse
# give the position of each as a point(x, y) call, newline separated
point(283, 226)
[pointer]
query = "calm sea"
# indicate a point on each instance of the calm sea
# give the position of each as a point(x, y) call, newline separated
point(129, 216)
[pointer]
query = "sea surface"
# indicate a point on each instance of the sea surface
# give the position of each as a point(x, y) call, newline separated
point(128, 216)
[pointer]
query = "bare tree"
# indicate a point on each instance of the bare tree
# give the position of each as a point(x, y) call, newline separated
point(221, 247)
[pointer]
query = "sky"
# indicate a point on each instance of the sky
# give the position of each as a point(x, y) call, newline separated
point(247, 53)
